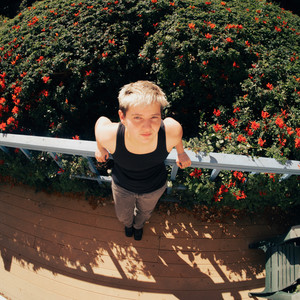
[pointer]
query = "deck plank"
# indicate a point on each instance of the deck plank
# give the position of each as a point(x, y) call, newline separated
point(59, 247)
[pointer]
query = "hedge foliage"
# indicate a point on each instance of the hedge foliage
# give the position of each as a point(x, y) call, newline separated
point(230, 70)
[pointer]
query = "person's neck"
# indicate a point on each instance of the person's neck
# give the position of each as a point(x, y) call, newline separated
point(137, 147)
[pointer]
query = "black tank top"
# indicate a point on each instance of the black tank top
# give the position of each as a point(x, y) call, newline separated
point(140, 173)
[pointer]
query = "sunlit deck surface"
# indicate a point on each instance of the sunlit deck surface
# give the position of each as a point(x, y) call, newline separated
point(59, 247)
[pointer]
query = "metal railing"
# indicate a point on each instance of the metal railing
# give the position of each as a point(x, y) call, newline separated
point(214, 161)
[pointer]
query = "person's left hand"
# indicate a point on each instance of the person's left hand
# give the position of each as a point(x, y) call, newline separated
point(183, 160)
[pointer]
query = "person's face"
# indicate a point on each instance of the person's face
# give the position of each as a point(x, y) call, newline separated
point(142, 122)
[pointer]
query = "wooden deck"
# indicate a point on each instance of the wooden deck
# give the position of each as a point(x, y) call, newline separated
point(58, 247)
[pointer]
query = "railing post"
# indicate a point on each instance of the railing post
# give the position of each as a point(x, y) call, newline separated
point(174, 172)
point(285, 176)
point(56, 159)
point(4, 149)
point(214, 174)
point(93, 169)
point(26, 153)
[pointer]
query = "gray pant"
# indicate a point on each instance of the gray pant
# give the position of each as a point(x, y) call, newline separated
point(134, 209)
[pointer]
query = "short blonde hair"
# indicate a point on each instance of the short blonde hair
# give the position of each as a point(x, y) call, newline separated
point(141, 92)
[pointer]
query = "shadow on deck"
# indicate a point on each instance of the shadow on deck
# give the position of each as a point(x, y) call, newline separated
point(58, 247)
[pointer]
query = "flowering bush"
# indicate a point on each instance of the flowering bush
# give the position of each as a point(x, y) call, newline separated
point(62, 63)
point(235, 67)
point(239, 190)
point(230, 70)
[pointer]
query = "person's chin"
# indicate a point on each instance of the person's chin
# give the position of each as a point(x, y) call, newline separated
point(146, 137)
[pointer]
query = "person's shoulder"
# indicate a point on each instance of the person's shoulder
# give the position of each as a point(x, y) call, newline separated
point(106, 131)
point(173, 131)
point(172, 127)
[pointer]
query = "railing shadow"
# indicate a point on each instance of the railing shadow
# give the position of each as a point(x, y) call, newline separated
point(178, 254)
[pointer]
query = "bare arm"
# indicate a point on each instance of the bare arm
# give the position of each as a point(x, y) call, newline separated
point(105, 133)
point(174, 134)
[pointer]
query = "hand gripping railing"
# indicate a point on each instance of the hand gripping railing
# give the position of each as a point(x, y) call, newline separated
point(84, 148)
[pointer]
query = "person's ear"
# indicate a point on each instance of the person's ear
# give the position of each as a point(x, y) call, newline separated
point(121, 116)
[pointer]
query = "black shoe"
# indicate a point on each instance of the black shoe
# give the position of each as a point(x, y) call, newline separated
point(129, 231)
point(138, 233)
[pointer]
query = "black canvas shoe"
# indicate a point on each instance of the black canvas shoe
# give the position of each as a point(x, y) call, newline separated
point(138, 233)
point(129, 231)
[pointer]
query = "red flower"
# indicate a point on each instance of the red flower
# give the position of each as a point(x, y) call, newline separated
point(17, 90)
point(2, 126)
point(208, 35)
point(228, 137)
point(272, 176)
point(255, 125)
point(45, 79)
point(282, 142)
point(261, 142)
point(233, 122)
point(279, 122)
point(88, 73)
point(250, 132)
point(265, 114)
point(40, 59)
point(217, 112)
point(278, 29)
point(192, 25)
point(237, 109)
point(45, 93)
point(239, 176)
point(289, 130)
point(217, 127)
point(240, 195)
point(182, 82)
point(76, 137)
point(270, 86)
point(33, 21)
point(154, 1)
point(229, 40)
point(15, 110)
point(235, 65)
point(60, 171)
point(222, 189)
point(10, 120)
point(196, 173)
point(241, 139)
point(298, 131)
point(262, 193)
point(297, 143)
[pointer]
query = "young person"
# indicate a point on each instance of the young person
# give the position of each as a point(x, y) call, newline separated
point(139, 145)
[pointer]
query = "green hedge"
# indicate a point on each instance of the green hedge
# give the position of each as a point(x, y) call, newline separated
point(230, 71)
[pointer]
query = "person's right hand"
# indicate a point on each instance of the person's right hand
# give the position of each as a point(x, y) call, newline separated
point(101, 155)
